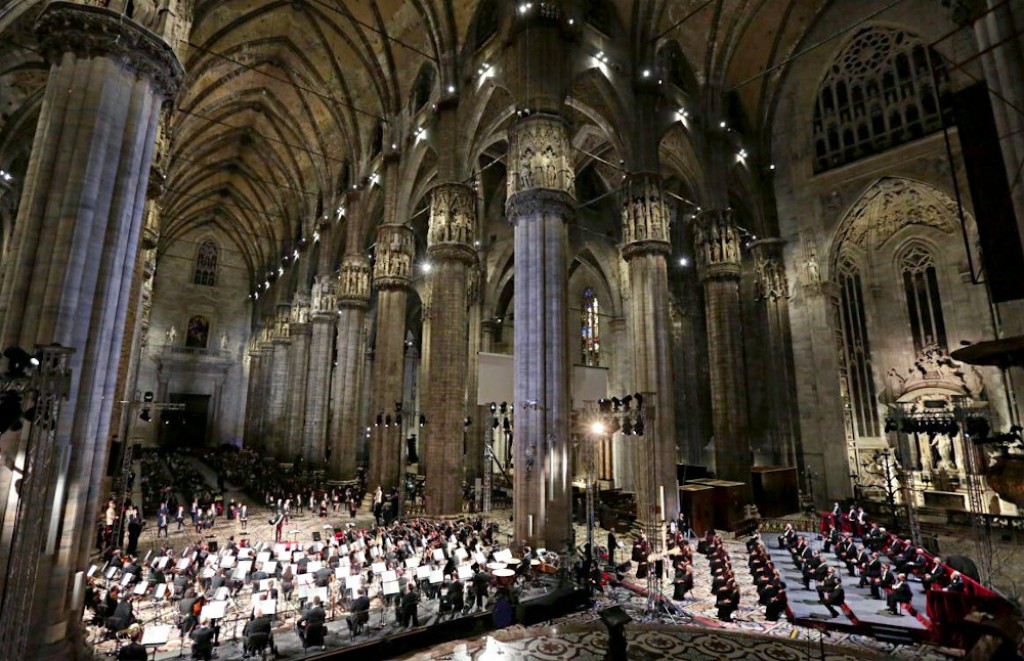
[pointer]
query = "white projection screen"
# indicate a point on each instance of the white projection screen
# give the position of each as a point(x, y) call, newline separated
point(496, 381)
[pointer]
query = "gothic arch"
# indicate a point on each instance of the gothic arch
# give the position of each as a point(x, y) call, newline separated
point(887, 206)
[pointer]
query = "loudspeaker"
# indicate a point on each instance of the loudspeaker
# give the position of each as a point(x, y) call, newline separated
point(213, 546)
point(659, 569)
point(1001, 252)
point(316, 535)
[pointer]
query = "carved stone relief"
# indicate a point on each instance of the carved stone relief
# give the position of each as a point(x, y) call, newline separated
point(645, 216)
point(716, 239)
point(396, 246)
point(354, 282)
point(539, 156)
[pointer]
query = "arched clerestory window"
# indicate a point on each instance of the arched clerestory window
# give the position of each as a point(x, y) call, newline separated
point(924, 306)
point(590, 329)
point(205, 272)
point(856, 350)
point(879, 92)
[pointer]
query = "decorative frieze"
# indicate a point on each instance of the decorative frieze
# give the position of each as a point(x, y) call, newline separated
point(354, 282)
point(539, 156)
point(645, 216)
point(769, 271)
point(452, 215)
point(90, 31)
point(281, 321)
point(396, 246)
point(324, 295)
point(299, 313)
point(717, 242)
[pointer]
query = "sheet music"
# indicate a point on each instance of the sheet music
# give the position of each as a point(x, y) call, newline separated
point(265, 584)
point(313, 566)
point(480, 558)
point(227, 562)
point(140, 589)
point(222, 594)
point(270, 567)
point(161, 590)
point(341, 571)
point(263, 556)
point(465, 572)
point(439, 555)
point(126, 579)
point(92, 570)
point(155, 635)
point(379, 567)
point(436, 576)
point(389, 575)
point(353, 582)
point(412, 563)
point(423, 571)
point(503, 556)
point(390, 587)
point(268, 606)
point(214, 610)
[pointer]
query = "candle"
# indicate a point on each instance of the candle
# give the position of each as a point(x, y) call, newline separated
point(529, 525)
point(661, 500)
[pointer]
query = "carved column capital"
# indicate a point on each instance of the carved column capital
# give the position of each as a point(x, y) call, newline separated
point(354, 282)
point(645, 216)
point(539, 159)
point(769, 269)
point(88, 31)
point(299, 313)
point(452, 222)
point(324, 295)
point(396, 246)
point(717, 242)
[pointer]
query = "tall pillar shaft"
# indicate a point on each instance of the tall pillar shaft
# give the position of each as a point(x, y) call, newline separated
point(541, 189)
point(646, 244)
point(450, 236)
point(772, 290)
point(396, 245)
point(346, 386)
point(277, 392)
point(299, 331)
point(718, 262)
point(68, 279)
point(318, 379)
point(263, 386)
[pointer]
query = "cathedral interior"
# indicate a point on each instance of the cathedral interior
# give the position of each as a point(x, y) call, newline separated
point(562, 260)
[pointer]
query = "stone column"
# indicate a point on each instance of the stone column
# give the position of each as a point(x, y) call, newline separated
point(277, 399)
point(450, 246)
point(717, 243)
point(318, 379)
point(772, 289)
point(68, 279)
point(346, 385)
point(541, 197)
point(252, 405)
point(645, 246)
point(396, 246)
point(299, 331)
point(479, 422)
point(266, 349)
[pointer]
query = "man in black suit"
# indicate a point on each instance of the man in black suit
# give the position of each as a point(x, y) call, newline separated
point(410, 604)
point(956, 583)
point(133, 651)
point(834, 599)
point(885, 580)
point(871, 571)
point(613, 544)
point(202, 641)
point(360, 611)
point(900, 595)
point(314, 615)
point(937, 574)
point(810, 567)
point(480, 582)
point(259, 625)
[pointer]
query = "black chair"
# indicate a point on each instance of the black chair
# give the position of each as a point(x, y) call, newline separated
point(314, 637)
point(357, 622)
point(258, 644)
point(203, 651)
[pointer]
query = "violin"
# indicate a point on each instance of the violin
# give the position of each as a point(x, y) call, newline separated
point(197, 607)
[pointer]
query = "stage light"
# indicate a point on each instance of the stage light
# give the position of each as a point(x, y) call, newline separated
point(380, 420)
point(638, 428)
point(627, 427)
point(387, 420)
point(504, 407)
point(398, 407)
point(493, 407)
point(426, 266)
point(467, 422)
point(145, 416)
point(597, 427)
point(10, 411)
point(423, 419)
point(639, 399)
point(147, 396)
point(627, 402)
point(18, 360)
point(494, 423)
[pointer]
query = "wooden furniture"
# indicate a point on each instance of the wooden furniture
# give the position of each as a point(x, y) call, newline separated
point(775, 490)
point(728, 498)
point(697, 502)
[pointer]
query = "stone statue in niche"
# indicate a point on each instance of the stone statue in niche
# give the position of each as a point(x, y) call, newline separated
point(224, 341)
point(171, 335)
point(944, 444)
point(812, 269)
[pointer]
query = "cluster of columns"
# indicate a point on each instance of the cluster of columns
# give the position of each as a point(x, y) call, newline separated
point(75, 247)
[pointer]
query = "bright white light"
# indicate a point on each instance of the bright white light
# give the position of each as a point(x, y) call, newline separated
point(451, 89)
point(394, 145)
point(256, 295)
point(742, 154)
point(421, 134)
point(280, 270)
point(721, 124)
point(646, 73)
point(771, 167)
point(340, 213)
point(683, 261)
point(597, 427)
point(476, 243)
point(426, 267)
point(572, 21)
point(295, 254)
point(266, 285)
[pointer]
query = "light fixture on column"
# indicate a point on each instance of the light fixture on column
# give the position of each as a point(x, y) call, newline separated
point(398, 407)
point(627, 402)
point(387, 420)
point(147, 401)
point(683, 261)
point(597, 427)
point(493, 407)
point(380, 419)
point(494, 423)
point(467, 422)
point(423, 419)
point(639, 399)
point(18, 360)
point(425, 267)
point(503, 408)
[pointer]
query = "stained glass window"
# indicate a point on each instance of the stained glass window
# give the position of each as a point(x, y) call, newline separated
point(857, 350)
point(590, 329)
point(206, 265)
point(923, 302)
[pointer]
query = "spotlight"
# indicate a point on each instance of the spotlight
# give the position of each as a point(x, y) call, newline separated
point(145, 416)
point(379, 421)
point(638, 428)
point(398, 407)
point(494, 423)
point(627, 427)
point(639, 400)
point(627, 401)
point(10, 411)
point(467, 422)
point(387, 420)
point(597, 427)
point(493, 407)
point(423, 419)
point(147, 396)
point(18, 360)
point(504, 407)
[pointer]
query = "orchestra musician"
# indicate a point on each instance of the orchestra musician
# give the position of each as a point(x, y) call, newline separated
point(259, 625)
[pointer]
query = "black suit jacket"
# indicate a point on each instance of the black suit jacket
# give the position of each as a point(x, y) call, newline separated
point(314, 614)
point(260, 624)
point(901, 593)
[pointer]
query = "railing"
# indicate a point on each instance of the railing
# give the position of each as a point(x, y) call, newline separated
point(201, 352)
